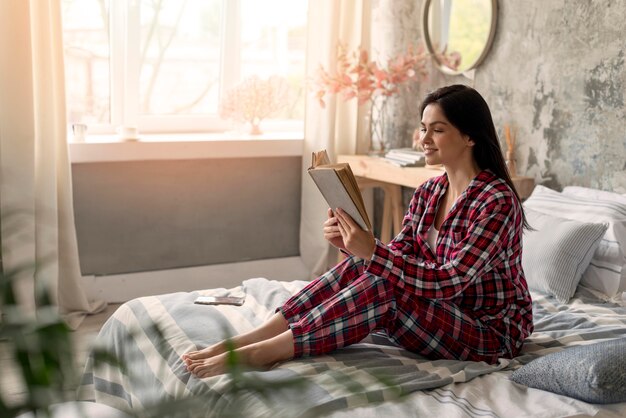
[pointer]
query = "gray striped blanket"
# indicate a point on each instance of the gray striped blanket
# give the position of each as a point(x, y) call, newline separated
point(371, 372)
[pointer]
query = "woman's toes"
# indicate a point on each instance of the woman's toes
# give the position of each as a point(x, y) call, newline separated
point(192, 368)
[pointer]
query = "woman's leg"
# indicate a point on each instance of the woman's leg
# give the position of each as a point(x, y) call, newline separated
point(367, 303)
point(345, 318)
point(441, 330)
point(322, 289)
point(313, 294)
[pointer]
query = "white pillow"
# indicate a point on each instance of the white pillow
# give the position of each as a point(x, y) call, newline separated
point(606, 196)
point(607, 269)
point(556, 252)
point(594, 194)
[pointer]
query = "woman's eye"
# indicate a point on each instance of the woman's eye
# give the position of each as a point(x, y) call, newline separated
point(438, 130)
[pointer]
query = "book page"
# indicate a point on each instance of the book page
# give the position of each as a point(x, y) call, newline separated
point(319, 158)
point(349, 182)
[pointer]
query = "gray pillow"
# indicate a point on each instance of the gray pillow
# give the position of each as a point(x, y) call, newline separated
point(557, 251)
point(594, 373)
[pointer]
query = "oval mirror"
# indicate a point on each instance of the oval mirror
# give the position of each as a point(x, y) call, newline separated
point(459, 30)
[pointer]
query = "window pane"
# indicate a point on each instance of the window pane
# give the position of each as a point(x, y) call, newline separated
point(86, 41)
point(273, 42)
point(180, 55)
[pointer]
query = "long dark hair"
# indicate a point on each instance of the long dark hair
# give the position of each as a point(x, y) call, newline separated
point(466, 109)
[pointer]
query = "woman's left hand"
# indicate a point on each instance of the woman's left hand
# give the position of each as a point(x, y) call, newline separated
point(357, 241)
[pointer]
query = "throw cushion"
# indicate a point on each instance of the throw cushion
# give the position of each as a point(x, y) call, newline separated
point(593, 373)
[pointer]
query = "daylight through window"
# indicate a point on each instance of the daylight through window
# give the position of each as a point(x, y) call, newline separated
point(165, 65)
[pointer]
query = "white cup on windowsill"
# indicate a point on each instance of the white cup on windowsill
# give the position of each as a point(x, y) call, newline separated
point(128, 133)
point(78, 132)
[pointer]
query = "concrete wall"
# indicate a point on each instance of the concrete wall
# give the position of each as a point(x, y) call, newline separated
point(154, 215)
point(555, 71)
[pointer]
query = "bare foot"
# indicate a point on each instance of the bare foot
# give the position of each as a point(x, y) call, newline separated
point(257, 355)
point(207, 352)
point(273, 327)
point(207, 367)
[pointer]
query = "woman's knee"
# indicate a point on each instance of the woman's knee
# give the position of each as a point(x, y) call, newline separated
point(344, 272)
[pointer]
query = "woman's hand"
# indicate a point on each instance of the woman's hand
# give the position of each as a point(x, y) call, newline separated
point(331, 231)
point(356, 240)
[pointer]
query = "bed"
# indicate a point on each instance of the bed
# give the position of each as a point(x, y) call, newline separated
point(375, 378)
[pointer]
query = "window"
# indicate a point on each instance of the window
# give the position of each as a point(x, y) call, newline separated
point(163, 65)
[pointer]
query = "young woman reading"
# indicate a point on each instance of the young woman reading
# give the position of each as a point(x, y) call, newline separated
point(450, 285)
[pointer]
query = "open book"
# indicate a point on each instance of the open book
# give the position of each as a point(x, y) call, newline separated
point(339, 187)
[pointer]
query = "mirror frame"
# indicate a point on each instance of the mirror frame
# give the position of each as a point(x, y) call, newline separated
point(427, 40)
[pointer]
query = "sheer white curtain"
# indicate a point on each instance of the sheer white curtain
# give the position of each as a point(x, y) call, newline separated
point(35, 170)
point(340, 127)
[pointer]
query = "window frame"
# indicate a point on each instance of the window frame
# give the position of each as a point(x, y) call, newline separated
point(125, 66)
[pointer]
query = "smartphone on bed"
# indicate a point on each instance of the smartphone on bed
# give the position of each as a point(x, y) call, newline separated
point(220, 300)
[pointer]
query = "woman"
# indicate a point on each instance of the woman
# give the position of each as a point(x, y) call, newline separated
point(450, 285)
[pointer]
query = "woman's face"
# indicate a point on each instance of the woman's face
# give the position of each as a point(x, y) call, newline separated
point(441, 142)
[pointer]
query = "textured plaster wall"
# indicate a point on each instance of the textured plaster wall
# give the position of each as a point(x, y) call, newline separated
point(395, 25)
point(556, 72)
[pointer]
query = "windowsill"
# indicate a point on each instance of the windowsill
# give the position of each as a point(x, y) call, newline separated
point(108, 148)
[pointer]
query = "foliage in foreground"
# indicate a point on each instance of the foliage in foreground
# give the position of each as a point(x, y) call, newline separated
point(43, 353)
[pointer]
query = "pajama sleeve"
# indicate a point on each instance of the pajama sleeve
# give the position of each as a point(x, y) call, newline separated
point(471, 255)
point(403, 242)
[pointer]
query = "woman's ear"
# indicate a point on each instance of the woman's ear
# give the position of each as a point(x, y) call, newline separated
point(470, 141)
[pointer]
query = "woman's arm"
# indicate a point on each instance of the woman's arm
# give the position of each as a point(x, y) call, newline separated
point(356, 241)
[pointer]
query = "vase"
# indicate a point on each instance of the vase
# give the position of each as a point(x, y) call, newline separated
point(510, 164)
point(255, 127)
point(377, 123)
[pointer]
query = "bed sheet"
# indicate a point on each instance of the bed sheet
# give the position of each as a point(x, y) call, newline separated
point(372, 378)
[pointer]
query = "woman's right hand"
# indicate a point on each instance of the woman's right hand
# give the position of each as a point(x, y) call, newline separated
point(331, 231)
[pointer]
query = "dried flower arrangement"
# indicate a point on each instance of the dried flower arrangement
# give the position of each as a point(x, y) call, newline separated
point(510, 152)
point(356, 76)
point(253, 100)
point(368, 81)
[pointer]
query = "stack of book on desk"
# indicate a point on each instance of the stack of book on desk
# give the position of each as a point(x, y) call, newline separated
point(405, 157)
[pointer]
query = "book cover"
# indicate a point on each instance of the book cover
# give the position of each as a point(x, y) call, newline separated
point(337, 184)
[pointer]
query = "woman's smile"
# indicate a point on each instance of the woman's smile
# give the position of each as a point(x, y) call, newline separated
point(429, 151)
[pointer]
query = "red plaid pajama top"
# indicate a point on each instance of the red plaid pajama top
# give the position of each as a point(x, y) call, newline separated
point(477, 265)
point(467, 299)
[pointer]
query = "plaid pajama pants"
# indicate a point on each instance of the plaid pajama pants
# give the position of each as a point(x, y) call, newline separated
point(344, 305)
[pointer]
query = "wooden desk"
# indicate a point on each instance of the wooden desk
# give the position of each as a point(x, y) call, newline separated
point(377, 172)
